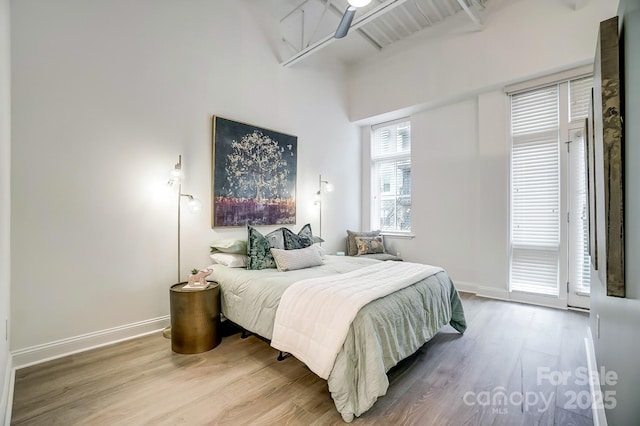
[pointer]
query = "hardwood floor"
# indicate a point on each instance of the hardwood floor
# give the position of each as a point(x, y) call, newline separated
point(511, 350)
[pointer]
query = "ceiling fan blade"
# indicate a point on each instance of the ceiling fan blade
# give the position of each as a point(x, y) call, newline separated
point(345, 22)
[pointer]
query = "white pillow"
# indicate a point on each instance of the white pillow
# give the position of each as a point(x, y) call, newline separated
point(289, 260)
point(232, 260)
point(230, 246)
point(321, 251)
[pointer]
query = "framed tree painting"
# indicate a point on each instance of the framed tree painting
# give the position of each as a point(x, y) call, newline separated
point(253, 176)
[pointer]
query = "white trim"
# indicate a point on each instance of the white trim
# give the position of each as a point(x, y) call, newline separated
point(6, 403)
point(391, 234)
point(60, 348)
point(597, 408)
point(466, 287)
point(493, 293)
point(482, 291)
point(390, 123)
point(547, 80)
point(539, 299)
point(513, 296)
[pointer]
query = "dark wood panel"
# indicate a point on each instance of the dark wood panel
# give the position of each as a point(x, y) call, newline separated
point(609, 159)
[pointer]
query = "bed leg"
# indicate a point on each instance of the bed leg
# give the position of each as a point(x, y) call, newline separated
point(245, 334)
point(283, 355)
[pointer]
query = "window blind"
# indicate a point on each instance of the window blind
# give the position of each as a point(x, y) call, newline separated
point(579, 259)
point(535, 191)
point(579, 98)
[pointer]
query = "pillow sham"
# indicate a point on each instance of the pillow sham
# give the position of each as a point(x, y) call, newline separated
point(304, 238)
point(369, 245)
point(306, 231)
point(258, 247)
point(352, 248)
point(290, 260)
point(229, 246)
point(296, 241)
point(232, 260)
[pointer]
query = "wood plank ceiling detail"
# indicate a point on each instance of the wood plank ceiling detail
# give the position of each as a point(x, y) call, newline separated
point(309, 25)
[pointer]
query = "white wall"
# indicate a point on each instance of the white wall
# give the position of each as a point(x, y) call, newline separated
point(452, 85)
point(614, 320)
point(5, 201)
point(460, 178)
point(106, 94)
point(521, 39)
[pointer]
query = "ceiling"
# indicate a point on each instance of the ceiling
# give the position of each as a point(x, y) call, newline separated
point(307, 26)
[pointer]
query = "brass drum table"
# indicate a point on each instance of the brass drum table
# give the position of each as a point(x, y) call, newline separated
point(195, 318)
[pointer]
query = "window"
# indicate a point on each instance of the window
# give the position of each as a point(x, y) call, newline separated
point(579, 98)
point(579, 267)
point(549, 222)
point(391, 176)
point(535, 191)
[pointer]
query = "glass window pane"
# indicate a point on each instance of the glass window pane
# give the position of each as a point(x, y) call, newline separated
point(391, 177)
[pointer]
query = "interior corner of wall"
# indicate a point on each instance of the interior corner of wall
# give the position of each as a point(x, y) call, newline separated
point(6, 396)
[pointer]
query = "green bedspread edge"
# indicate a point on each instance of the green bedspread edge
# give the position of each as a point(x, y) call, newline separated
point(387, 331)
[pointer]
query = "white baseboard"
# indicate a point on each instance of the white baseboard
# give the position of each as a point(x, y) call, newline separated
point(538, 299)
point(493, 293)
point(483, 291)
point(6, 403)
point(466, 287)
point(511, 296)
point(597, 408)
point(48, 351)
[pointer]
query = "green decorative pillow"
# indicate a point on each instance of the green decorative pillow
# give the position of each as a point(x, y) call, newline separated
point(306, 231)
point(369, 245)
point(303, 239)
point(259, 248)
point(352, 248)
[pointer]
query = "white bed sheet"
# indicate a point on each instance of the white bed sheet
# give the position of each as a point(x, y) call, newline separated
point(250, 298)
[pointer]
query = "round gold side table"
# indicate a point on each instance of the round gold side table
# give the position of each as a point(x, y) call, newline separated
point(195, 318)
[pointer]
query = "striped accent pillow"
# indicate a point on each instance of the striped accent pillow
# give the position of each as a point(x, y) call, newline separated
point(289, 260)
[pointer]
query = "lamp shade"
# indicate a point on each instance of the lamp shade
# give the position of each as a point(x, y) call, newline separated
point(195, 205)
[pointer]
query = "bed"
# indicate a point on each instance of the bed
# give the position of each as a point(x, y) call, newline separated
point(383, 332)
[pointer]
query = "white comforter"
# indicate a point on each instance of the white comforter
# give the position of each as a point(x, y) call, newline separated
point(314, 315)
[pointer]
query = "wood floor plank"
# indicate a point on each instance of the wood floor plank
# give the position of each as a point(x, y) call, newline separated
point(142, 382)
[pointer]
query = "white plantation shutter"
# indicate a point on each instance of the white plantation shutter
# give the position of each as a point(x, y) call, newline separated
point(535, 191)
point(391, 176)
point(579, 98)
point(579, 261)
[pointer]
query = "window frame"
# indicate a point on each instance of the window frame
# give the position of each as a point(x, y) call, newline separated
point(563, 81)
point(375, 159)
point(536, 251)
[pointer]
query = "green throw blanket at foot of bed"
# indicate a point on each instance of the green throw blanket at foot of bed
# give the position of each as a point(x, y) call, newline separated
point(385, 332)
